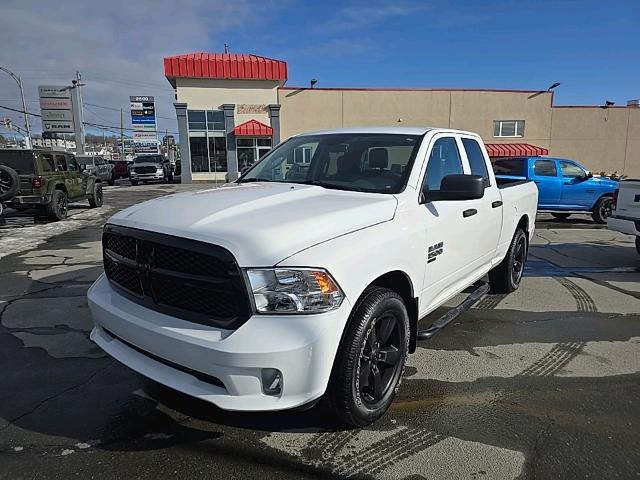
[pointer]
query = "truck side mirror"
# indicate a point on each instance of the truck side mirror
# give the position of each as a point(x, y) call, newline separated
point(458, 187)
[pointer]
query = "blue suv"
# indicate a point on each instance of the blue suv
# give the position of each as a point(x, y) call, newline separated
point(564, 186)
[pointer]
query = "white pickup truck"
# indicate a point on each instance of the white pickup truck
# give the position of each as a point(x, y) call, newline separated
point(306, 278)
point(625, 216)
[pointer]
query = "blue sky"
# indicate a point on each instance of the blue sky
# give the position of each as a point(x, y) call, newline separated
point(591, 47)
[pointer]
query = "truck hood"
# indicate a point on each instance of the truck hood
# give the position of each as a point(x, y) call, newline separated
point(261, 223)
point(147, 164)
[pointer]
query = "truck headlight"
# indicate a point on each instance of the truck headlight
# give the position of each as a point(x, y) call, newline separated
point(299, 290)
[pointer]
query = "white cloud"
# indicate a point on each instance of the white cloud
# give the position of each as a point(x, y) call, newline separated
point(117, 45)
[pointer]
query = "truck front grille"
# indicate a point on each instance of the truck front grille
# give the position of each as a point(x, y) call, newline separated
point(184, 278)
point(145, 169)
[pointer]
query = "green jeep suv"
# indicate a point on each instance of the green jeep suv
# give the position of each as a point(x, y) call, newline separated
point(46, 180)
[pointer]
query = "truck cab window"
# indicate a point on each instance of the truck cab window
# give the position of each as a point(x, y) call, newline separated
point(571, 170)
point(545, 168)
point(476, 159)
point(444, 160)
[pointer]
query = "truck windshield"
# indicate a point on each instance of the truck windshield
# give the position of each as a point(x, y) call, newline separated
point(20, 160)
point(149, 159)
point(365, 162)
point(85, 160)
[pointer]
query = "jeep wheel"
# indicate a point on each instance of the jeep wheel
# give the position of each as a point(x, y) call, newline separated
point(506, 276)
point(9, 183)
point(96, 199)
point(58, 208)
point(602, 210)
point(368, 368)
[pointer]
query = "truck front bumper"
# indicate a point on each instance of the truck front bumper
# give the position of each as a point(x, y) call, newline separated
point(624, 225)
point(190, 357)
point(147, 176)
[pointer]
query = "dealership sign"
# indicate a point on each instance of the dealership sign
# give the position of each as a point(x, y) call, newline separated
point(56, 109)
point(143, 120)
point(57, 127)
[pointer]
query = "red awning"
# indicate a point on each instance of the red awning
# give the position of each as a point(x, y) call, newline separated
point(515, 150)
point(253, 128)
point(224, 66)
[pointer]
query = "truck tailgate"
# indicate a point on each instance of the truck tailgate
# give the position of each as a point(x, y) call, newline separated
point(628, 205)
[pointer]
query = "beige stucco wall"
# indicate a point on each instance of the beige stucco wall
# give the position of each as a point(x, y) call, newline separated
point(307, 109)
point(201, 94)
point(604, 139)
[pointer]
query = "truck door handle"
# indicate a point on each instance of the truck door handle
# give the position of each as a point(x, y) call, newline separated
point(496, 204)
point(469, 213)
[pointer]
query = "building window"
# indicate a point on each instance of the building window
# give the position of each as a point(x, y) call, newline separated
point(251, 150)
point(508, 128)
point(207, 140)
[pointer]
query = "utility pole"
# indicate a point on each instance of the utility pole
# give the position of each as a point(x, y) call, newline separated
point(18, 80)
point(122, 133)
point(77, 114)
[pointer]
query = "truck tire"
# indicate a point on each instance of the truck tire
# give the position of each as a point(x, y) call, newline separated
point(9, 183)
point(370, 361)
point(506, 276)
point(134, 183)
point(112, 180)
point(58, 207)
point(96, 199)
point(561, 216)
point(602, 210)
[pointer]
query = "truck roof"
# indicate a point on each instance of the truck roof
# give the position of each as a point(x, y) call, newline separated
point(382, 129)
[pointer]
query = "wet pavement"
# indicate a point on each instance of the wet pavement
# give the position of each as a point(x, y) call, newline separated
point(543, 383)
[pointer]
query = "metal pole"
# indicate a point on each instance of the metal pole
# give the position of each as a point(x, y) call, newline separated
point(18, 80)
point(26, 115)
point(122, 133)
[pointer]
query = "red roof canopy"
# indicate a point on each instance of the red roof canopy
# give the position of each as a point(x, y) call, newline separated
point(515, 150)
point(224, 66)
point(253, 128)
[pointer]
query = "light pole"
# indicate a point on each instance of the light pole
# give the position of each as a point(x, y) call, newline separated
point(24, 104)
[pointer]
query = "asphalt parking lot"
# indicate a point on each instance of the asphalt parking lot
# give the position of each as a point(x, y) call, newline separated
point(543, 383)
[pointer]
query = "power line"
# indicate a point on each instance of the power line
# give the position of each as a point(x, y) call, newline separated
point(85, 123)
point(118, 110)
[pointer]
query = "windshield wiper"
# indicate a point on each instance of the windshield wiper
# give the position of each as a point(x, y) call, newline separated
point(333, 186)
point(250, 180)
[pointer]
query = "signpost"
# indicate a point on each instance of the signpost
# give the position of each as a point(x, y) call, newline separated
point(143, 120)
point(58, 111)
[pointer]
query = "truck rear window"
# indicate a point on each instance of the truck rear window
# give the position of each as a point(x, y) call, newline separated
point(510, 166)
point(20, 160)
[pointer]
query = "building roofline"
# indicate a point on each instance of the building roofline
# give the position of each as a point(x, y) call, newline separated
point(404, 89)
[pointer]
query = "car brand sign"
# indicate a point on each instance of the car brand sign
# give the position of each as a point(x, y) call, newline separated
point(57, 127)
point(56, 108)
point(53, 91)
point(57, 115)
point(144, 135)
point(148, 98)
point(55, 104)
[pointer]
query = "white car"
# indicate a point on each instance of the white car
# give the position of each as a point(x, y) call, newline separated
point(625, 217)
point(304, 280)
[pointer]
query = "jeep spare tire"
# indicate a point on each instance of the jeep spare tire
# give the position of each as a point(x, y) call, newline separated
point(9, 183)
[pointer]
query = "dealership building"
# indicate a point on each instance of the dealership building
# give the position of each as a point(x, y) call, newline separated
point(234, 108)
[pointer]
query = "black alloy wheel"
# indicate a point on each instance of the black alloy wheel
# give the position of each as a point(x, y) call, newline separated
point(519, 259)
point(602, 210)
point(368, 367)
point(379, 360)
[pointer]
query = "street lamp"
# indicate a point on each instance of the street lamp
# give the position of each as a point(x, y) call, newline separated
point(24, 104)
point(557, 84)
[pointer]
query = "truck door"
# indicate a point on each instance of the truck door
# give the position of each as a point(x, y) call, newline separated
point(544, 172)
point(577, 191)
point(453, 249)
